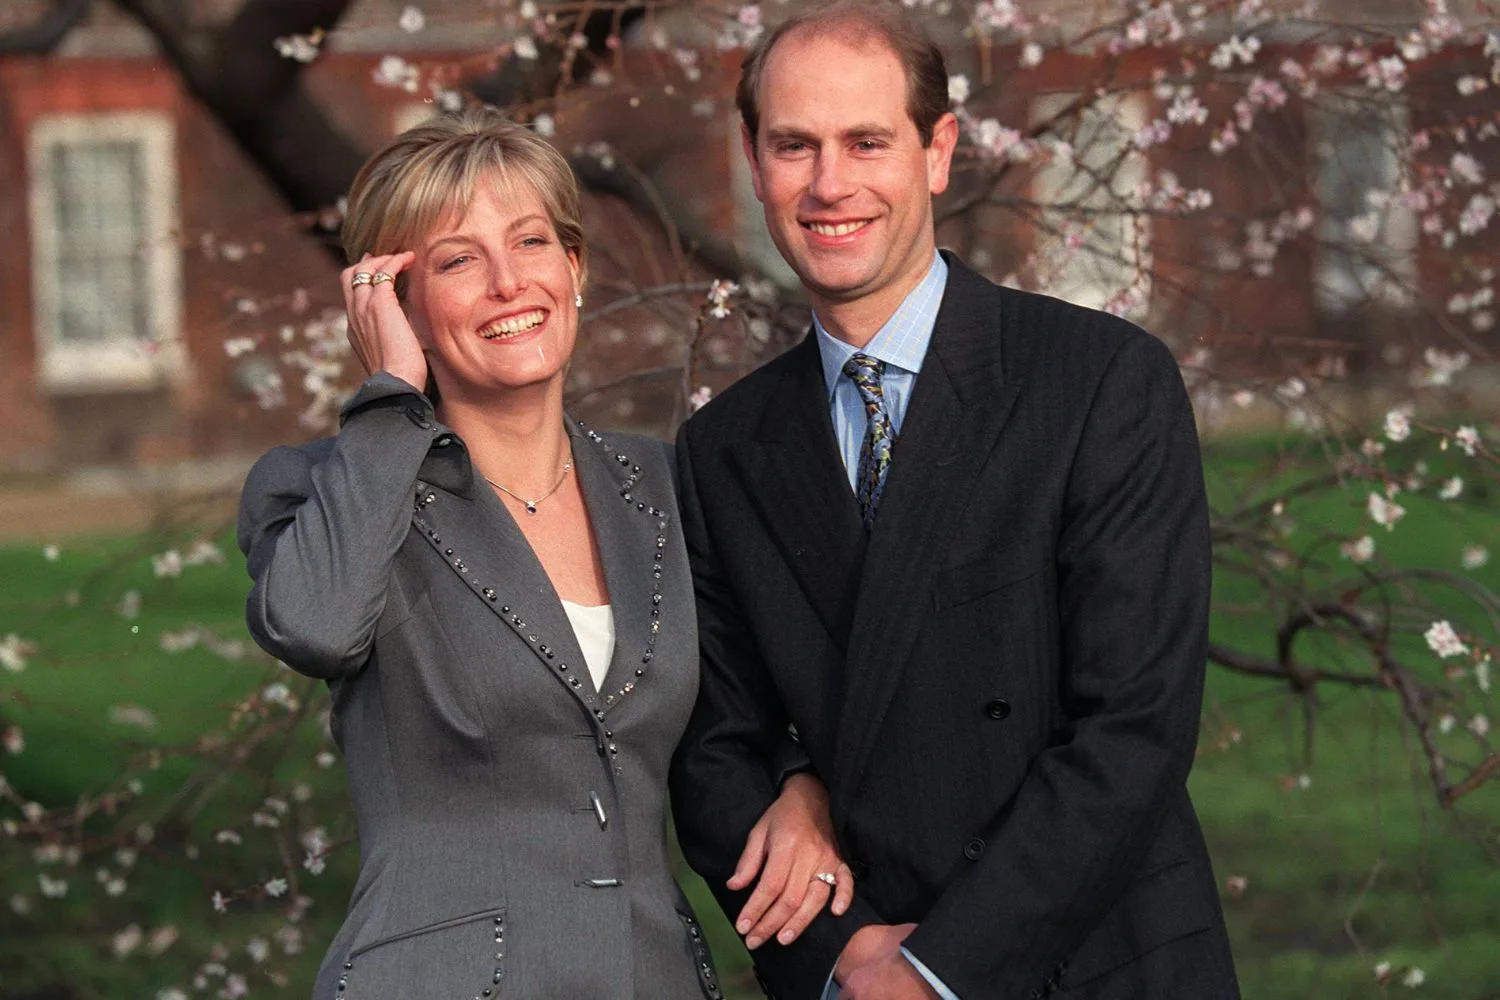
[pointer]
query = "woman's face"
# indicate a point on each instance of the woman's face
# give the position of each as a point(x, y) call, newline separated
point(490, 296)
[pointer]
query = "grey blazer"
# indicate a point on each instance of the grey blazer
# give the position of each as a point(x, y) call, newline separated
point(511, 818)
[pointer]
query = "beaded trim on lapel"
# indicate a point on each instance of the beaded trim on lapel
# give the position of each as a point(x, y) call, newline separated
point(600, 706)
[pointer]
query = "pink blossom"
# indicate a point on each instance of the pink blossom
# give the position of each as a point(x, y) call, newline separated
point(1444, 641)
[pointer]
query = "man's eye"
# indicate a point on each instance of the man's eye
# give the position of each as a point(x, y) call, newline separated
point(868, 145)
point(791, 147)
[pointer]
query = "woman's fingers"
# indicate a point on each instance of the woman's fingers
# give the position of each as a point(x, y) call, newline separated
point(787, 901)
point(379, 330)
point(751, 858)
point(843, 892)
point(773, 880)
point(817, 895)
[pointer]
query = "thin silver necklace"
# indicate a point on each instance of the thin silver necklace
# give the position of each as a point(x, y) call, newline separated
point(531, 504)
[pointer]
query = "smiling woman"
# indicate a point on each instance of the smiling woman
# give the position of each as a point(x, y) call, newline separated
point(500, 602)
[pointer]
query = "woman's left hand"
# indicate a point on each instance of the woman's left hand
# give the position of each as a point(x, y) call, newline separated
point(789, 846)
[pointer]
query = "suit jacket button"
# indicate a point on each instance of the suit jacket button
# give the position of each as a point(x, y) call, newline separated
point(974, 849)
point(997, 709)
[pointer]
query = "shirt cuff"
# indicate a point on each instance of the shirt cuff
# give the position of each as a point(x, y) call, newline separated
point(831, 989)
point(932, 980)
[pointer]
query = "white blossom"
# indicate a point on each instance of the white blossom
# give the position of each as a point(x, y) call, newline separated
point(1385, 512)
point(1031, 55)
point(127, 940)
point(1236, 49)
point(1467, 169)
point(1479, 726)
point(1467, 438)
point(1398, 424)
point(412, 20)
point(1476, 214)
point(275, 887)
point(1451, 489)
point(300, 48)
point(958, 88)
point(1443, 641)
point(699, 399)
point(1447, 723)
point(524, 47)
point(15, 653)
point(1360, 550)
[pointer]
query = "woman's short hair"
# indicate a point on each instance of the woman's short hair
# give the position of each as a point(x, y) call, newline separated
point(859, 20)
point(428, 174)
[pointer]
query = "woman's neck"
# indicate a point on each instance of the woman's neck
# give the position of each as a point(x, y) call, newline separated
point(517, 439)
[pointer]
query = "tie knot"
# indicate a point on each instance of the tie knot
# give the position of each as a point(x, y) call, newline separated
point(865, 372)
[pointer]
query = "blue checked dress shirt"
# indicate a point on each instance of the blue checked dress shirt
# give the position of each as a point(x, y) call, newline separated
point(902, 344)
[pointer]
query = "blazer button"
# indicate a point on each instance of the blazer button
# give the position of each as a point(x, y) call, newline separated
point(974, 849)
point(997, 709)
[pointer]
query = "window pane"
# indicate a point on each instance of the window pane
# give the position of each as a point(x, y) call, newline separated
point(99, 212)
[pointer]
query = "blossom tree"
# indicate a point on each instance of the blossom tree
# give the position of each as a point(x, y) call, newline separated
point(1297, 197)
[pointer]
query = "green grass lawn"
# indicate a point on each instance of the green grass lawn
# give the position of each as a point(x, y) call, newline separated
point(1358, 867)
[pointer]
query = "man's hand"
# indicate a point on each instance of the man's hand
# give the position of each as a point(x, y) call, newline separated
point(873, 968)
point(788, 846)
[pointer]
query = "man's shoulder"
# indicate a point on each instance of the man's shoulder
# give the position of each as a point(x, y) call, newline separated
point(1045, 335)
point(735, 411)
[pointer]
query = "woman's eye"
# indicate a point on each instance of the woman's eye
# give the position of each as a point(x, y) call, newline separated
point(534, 241)
point(453, 262)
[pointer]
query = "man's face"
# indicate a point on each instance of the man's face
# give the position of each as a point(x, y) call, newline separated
point(840, 169)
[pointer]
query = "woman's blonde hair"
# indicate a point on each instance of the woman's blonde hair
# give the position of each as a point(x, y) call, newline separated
point(428, 174)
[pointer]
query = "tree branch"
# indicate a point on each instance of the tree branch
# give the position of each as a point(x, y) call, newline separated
point(48, 32)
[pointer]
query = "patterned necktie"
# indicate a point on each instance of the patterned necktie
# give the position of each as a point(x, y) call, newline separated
point(875, 454)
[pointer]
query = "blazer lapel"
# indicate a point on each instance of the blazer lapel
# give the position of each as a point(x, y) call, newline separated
point(795, 477)
point(481, 543)
point(628, 521)
point(958, 407)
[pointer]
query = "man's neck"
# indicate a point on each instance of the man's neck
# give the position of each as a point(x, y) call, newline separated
point(855, 321)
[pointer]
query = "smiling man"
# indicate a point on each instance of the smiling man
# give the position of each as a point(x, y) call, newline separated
point(957, 539)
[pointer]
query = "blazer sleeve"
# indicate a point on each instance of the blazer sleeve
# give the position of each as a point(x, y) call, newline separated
point(736, 750)
point(1133, 571)
point(319, 533)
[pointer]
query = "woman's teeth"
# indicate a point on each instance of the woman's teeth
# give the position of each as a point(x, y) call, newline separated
point(512, 325)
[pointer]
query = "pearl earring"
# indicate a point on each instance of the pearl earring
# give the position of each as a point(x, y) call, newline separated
point(578, 300)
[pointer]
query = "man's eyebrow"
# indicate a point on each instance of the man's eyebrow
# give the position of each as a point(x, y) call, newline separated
point(866, 130)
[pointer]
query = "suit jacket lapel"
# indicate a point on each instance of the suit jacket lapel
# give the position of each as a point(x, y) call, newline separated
point(958, 407)
point(796, 479)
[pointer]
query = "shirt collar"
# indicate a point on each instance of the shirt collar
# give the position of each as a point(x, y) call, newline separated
point(902, 340)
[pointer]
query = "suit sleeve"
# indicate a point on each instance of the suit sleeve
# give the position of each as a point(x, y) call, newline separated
point(1133, 572)
point(319, 536)
point(728, 767)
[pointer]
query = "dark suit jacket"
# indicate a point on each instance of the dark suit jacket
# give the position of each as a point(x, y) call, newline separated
point(512, 819)
point(1000, 683)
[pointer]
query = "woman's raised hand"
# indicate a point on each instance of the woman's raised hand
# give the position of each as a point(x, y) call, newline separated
point(792, 847)
point(379, 332)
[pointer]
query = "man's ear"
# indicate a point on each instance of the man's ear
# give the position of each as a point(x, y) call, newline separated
point(940, 153)
point(747, 143)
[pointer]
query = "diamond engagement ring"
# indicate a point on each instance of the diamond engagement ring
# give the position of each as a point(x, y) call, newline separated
point(380, 277)
point(827, 877)
point(361, 278)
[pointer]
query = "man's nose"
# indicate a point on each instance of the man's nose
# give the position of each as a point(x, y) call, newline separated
point(832, 178)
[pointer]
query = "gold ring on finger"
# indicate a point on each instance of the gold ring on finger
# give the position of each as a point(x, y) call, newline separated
point(361, 278)
point(829, 878)
point(380, 278)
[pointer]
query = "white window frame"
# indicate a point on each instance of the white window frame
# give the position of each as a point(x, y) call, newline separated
point(1346, 275)
point(126, 363)
point(1089, 276)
